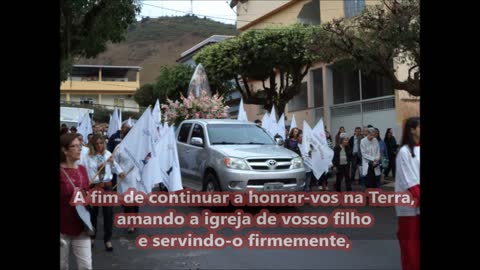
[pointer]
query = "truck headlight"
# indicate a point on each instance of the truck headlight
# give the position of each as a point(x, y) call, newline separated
point(297, 163)
point(235, 163)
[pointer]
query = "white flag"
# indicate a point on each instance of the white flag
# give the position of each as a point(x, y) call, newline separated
point(242, 115)
point(307, 134)
point(175, 178)
point(153, 172)
point(319, 131)
point(139, 144)
point(85, 126)
point(265, 121)
point(281, 126)
point(130, 122)
point(113, 124)
point(322, 154)
point(169, 165)
point(293, 124)
point(272, 127)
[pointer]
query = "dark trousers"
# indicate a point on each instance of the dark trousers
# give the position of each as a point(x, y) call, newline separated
point(357, 160)
point(370, 178)
point(391, 166)
point(308, 181)
point(343, 171)
point(323, 178)
point(107, 212)
point(378, 181)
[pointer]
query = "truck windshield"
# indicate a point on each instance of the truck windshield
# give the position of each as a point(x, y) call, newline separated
point(238, 134)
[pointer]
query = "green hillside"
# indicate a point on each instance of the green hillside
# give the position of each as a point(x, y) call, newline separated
point(152, 43)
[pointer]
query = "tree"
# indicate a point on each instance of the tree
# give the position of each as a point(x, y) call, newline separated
point(144, 95)
point(282, 56)
point(86, 26)
point(380, 35)
point(173, 81)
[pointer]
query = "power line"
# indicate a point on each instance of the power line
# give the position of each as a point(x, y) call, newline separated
point(208, 16)
point(186, 12)
point(236, 19)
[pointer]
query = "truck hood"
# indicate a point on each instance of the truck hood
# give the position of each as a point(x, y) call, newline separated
point(254, 151)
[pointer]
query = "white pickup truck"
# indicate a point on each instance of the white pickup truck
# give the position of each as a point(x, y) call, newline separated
point(232, 155)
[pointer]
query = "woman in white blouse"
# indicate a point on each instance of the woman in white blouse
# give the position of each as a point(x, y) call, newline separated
point(98, 163)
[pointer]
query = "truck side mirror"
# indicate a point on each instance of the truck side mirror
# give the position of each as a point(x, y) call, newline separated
point(197, 141)
point(279, 141)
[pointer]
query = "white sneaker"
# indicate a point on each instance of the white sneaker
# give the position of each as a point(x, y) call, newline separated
point(320, 188)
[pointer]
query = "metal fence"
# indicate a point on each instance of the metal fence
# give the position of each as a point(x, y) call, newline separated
point(370, 105)
point(100, 106)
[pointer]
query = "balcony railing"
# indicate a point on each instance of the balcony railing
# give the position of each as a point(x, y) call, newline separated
point(370, 105)
point(94, 106)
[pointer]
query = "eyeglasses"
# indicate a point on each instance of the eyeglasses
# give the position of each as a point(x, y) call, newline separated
point(75, 145)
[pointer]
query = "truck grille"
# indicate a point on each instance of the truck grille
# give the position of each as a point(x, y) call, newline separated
point(261, 182)
point(267, 164)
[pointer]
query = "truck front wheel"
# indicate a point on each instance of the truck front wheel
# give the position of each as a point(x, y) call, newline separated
point(210, 183)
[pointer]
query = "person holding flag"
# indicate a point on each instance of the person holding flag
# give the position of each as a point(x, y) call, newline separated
point(98, 164)
point(115, 140)
point(128, 177)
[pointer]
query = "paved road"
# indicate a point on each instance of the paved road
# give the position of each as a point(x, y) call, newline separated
point(372, 248)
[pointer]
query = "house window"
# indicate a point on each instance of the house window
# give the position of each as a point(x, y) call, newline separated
point(374, 85)
point(119, 102)
point(310, 13)
point(354, 7)
point(346, 85)
point(86, 100)
point(300, 101)
point(317, 81)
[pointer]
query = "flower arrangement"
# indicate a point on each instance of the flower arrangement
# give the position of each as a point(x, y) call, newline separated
point(203, 107)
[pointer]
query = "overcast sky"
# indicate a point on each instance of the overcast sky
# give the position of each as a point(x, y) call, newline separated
point(218, 10)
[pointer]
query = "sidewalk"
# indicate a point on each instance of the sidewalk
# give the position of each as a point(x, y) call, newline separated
point(388, 182)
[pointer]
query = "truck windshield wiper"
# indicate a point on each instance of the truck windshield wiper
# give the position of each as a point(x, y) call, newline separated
point(224, 142)
point(254, 143)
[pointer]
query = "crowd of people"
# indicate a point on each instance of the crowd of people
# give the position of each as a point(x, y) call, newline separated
point(85, 166)
point(365, 153)
point(96, 164)
point(374, 157)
